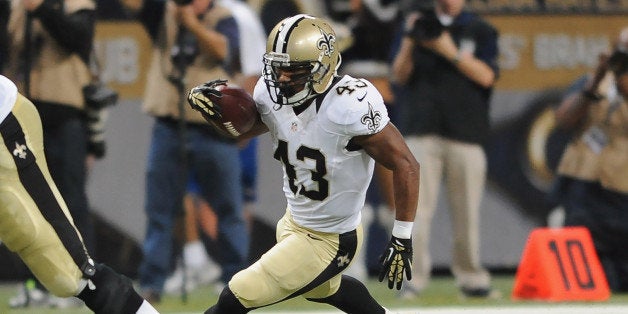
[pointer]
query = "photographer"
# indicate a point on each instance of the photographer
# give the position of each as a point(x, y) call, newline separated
point(193, 41)
point(444, 73)
point(49, 42)
point(593, 173)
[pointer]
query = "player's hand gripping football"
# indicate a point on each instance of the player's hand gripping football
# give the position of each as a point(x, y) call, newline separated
point(396, 260)
point(199, 99)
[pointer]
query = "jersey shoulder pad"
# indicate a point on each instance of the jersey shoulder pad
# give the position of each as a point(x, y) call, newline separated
point(8, 94)
point(261, 97)
point(355, 107)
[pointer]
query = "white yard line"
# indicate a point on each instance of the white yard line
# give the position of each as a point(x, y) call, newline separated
point(531, 309)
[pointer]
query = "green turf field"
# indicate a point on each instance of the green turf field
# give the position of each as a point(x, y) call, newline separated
point(440, 295)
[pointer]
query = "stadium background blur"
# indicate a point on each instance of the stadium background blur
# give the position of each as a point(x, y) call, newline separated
point(544, 46)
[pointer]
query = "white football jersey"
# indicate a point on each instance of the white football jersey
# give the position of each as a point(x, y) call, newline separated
point(325, 182)
point(8, 95)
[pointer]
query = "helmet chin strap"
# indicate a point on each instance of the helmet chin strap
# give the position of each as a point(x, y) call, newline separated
point(305, 95)
point(302, 96)
point(284, 100)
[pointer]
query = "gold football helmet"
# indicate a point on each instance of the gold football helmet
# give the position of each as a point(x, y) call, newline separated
point(306, 47)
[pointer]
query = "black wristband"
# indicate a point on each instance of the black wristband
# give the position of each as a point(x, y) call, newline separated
point(98, 149)
point(593, 96)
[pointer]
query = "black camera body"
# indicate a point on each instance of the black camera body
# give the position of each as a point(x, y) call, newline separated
point(618, 62)
point(97, 95)
point(185, 49)
point(427, 26)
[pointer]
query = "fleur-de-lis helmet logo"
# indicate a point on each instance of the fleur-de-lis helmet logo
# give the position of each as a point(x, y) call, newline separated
point(327, 43)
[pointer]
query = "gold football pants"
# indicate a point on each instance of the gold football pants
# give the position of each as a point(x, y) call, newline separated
point(303, 262)
point(34, 219)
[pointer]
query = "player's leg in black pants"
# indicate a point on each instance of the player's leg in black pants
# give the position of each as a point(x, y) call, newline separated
point(352, 297)
point(111, 293)
point(227, 304)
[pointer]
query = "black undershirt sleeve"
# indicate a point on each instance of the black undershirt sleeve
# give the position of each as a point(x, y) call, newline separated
point(74, 32)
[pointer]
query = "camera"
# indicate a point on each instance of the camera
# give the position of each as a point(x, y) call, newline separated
point(97, 96)
point(182, 2)
point(427, 26)
point(618, 62)
point(185, 49)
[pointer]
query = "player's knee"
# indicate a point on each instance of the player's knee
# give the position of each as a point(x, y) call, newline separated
point(243, 284)
point(15, 210)
point(113, 294)
point(248, 286)
point(63, 289)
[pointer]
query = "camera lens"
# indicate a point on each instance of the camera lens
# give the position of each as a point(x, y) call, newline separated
point(618, 62)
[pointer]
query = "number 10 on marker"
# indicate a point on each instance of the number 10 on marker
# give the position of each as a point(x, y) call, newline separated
point(572, 263)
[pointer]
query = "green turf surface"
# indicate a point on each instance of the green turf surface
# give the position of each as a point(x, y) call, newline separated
point(440, 293)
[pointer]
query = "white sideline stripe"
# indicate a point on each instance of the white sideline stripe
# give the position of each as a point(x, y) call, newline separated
point(538, 309)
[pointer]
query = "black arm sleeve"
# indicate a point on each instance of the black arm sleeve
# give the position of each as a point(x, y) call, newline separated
point(151, 16)
point(74, 32)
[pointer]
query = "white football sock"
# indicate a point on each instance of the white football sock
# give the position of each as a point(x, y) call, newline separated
point(146, 308)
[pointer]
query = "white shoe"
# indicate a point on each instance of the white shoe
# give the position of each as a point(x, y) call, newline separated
point(174, 282)
point(65, 303)
point(208, 273)
point(409, 292)
point(218, 287)
point(29, 296)
point(194, 277)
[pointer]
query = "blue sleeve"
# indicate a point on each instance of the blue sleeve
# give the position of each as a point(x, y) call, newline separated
point(488, 50)
point(395, 43)
point(229, 28)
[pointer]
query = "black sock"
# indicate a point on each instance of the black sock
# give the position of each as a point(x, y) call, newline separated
point(352, 297)
point(227, 304)
point(114, 293)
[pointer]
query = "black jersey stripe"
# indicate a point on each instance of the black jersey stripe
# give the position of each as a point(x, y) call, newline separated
point(35, 183)
point(347, 246)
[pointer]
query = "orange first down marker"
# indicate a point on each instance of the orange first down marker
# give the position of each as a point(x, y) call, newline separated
point(560, 264)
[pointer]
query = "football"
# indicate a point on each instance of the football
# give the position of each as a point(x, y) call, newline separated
point(237, 108)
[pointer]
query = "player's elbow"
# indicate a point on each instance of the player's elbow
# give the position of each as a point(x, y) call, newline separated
point(414, 168)
point(409, 166)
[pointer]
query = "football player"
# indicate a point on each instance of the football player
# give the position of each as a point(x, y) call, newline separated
point(327, 131)
point(35, 221)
